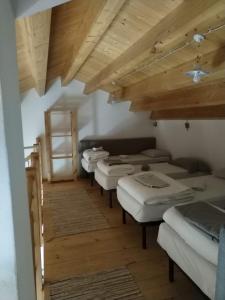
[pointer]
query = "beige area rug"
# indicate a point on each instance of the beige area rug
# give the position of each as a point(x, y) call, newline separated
point(107, 285)
point(71, 212)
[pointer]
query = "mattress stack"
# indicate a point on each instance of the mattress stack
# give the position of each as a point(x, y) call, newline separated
point(115, 167)
point(147, 203)
point(192, 248)
point(91, 157)
point(108, 171)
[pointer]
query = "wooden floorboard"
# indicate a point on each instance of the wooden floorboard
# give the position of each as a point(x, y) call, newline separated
point(119, 245)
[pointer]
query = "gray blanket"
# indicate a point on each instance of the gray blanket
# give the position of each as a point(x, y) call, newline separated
point(113, 162)
point(220, 274)
point(204, 216)
point(151, 181)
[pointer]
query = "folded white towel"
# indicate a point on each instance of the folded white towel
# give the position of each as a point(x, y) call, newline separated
point(175, 192)
point(115, 170)
point(91, 155)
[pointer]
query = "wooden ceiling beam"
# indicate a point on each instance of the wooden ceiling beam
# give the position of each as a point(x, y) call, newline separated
point(175, 78)
point(173, 31)
point(212, 94)
point(191, 113)
point(93, 29)
point(35, 32)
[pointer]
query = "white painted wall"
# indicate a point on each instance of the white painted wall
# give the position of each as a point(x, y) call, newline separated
point(109, 120)
point(95, 115)
point(205, 139)
point(16, 266)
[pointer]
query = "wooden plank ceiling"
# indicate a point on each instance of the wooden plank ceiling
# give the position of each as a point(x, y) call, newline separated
point(137, 50)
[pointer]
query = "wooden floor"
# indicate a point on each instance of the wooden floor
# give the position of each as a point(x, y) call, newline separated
point(120, 245)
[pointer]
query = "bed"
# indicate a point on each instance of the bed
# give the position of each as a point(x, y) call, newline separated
point(115, 146)
point(200, 270)
point(109, 183)
point(191, 248)
point(206, 188)
point(89, 166)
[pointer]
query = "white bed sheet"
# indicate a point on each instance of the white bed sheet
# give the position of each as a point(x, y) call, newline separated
point(201, 271)
point(146, 195)
point(214, 187)
point(135, 159)
point(141, 213)
point(88, 165)
point(110, 182)
point(145, 213)
point(194, 237)
point(107, 182)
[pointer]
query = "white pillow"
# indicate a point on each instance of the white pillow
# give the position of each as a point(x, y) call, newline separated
point(155, 153)
point(220, 173)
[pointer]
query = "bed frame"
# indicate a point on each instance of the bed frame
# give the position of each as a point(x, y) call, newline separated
point(171, 265)
point(144, 226)
point(110, 195)
point(115, 146)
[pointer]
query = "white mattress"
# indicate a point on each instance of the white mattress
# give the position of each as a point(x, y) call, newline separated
point(146, 195)
point(88, 165)
point(138, 160)
point(107, 182)
point(141, 213)
point(168, 169)
point(202, 272)
point(215, 187)
point(215, 190)
point(110, 182)
point(194, 237)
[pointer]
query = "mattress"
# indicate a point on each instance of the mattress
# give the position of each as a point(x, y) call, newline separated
point(174, 192)
point(107, 182)
point(140, 158)
point(214, 187)
point(137, 160)
point(88, 165)
point(110, 182)
point(215, 190)
point(195, 238)
point(201, 271)
point(168, 169)
point(141, 213)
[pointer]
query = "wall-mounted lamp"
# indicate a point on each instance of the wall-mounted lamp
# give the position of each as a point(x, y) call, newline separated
point(154, 123)
point(187, 125)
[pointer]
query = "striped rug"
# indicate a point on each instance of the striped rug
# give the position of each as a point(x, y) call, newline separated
point(71, 212)
point(107, 285)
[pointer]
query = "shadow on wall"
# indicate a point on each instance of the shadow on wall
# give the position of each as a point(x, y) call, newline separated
point(204, 139)
point(66, 102)
point(137, 125)
point(98, 117)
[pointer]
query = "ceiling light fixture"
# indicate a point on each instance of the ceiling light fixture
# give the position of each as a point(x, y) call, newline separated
point(196, 74)
point(198, 38)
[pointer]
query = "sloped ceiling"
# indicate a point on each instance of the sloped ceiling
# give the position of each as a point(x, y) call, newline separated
point(136, 50)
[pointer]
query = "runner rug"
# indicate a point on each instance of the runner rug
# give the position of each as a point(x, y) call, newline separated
point(71, 212)
point(107, 285)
